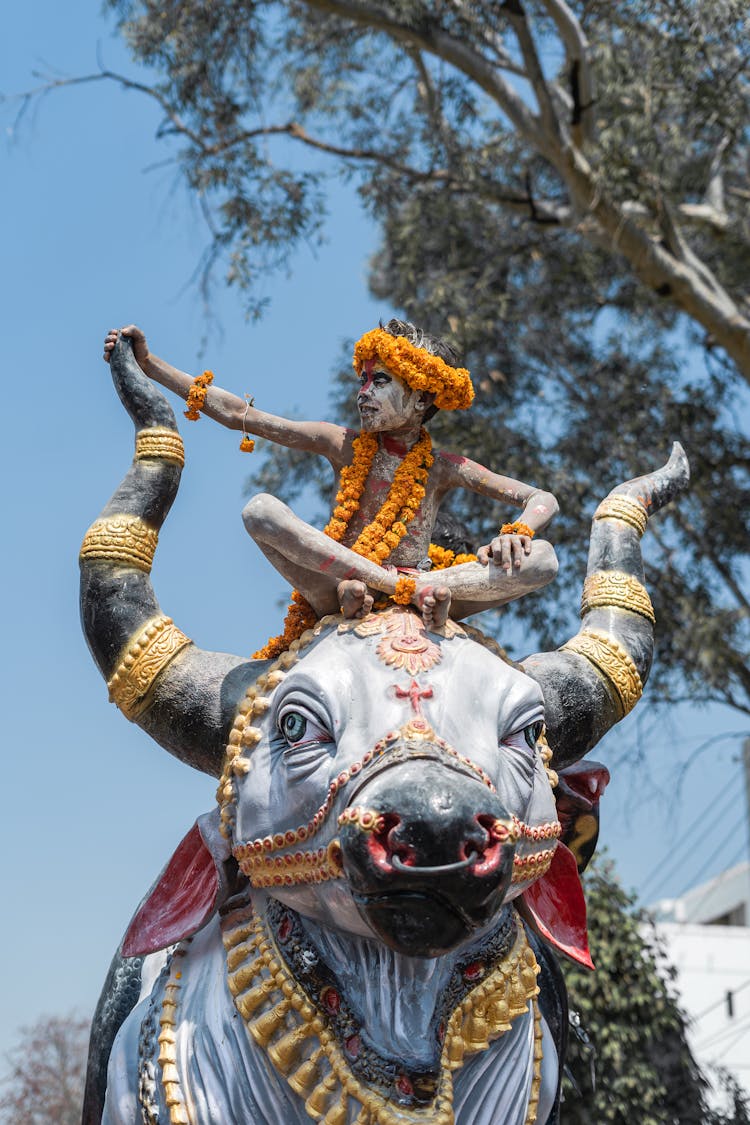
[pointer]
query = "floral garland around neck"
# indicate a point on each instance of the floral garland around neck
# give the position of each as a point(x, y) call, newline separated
point(380, 537)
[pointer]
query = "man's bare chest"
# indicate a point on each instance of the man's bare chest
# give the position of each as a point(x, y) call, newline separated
point(379, 490)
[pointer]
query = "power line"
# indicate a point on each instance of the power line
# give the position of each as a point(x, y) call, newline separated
point(718, 1003)
point(717, 882)
point(713, 852)
point(712, 1040)
point(689, 832)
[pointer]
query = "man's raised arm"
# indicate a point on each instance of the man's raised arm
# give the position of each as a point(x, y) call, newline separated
point(229, 410)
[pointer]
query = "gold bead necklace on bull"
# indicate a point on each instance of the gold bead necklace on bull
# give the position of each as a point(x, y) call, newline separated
point(421, 371)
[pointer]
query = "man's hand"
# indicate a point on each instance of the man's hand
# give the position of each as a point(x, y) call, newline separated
point(506, 551)
point(138, 339)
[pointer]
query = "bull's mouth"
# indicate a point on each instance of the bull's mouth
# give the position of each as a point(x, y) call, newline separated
point(416, 923)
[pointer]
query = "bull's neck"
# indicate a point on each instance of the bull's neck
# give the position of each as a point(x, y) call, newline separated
point(399, 998)
point(396, 995)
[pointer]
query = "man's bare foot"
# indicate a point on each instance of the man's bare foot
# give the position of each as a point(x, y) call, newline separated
point(353, 598)
point(435, 604)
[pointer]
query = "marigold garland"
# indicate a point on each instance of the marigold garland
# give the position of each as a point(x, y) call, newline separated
point(380, 537)
point(299, 616)
point(196, 396)
point(417, 367)
point(442, 557)
point(517, 528)
point(405, 590)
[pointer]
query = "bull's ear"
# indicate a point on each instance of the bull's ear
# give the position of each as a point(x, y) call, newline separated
point(555, 908)
point(577, 795)
point(187, 893)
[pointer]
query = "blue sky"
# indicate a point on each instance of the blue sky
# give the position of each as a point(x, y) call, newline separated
point(91, 809)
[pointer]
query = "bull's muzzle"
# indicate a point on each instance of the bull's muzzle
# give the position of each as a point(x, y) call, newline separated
point(428, 852)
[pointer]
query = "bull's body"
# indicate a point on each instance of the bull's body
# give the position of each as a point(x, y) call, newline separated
point(349, 947)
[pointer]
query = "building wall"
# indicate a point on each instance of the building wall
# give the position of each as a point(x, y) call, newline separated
point(713, 980)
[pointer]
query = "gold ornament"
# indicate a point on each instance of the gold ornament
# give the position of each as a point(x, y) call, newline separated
point(124, 539)
point(292, 868)
point(624, 508)
point(615, 588)
point(294, 1030)
point(532, 866)
point(366, 820)
point(545, 751)
point(147, 655)
point(613, 662)
point(170, 1077)
point(161, 444)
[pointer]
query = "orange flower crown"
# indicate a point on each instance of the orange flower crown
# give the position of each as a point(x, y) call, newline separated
point(418, 368)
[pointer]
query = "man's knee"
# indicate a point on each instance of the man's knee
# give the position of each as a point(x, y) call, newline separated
point(543, 560)
point(262, 514)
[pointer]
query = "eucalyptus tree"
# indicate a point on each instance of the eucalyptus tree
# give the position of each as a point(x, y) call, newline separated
point(561, 184)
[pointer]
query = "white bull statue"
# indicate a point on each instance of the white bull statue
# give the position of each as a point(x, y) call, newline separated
point(361, 931)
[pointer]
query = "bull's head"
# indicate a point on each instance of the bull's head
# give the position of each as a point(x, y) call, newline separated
point(399, 774)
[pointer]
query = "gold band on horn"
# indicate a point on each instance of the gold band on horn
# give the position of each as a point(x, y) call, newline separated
point(613, 662)
point(615, 588)
point(121, 539)
point(620, 507)
point(161, 444)
point(145, 657)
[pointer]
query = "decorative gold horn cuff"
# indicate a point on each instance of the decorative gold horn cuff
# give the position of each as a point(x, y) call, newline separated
point(613, 662)
point(620, 507)
point(121, 539)
point(145, 657)
point(161, 444)
point(615, 588)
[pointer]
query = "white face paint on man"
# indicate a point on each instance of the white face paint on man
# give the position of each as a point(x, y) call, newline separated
point(385, 403)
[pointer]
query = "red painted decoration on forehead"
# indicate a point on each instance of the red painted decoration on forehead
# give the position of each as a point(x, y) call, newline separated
point(414, 693)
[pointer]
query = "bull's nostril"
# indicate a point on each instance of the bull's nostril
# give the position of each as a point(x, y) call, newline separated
point(385, 844)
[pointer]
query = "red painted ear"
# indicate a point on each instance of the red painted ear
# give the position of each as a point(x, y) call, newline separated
point(181, 901)
point(558, 908)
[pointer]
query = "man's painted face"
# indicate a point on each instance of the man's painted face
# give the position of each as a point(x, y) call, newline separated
point(384, 401)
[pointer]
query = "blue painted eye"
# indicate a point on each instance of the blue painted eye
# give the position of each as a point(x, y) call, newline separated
point(293, 726)
point(532, 733)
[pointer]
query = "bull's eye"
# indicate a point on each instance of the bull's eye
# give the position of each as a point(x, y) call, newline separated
point(300, 727)
point(293, 726)
point(532, 733)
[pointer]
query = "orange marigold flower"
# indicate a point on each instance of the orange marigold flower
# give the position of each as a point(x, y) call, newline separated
point(417, 367)
point(405, 590)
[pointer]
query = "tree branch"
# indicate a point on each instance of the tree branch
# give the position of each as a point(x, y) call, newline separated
point(514, 13)
point(655, 265)
point(127, 83)
point(430, 37)
point(581, 76)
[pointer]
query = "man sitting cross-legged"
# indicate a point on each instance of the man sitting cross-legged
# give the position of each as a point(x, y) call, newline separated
point(391, 485)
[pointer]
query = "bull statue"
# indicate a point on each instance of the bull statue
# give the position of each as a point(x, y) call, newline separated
point(362, 930)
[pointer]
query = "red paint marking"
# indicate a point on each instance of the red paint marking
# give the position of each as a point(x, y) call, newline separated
point(390, 445)
point(328, 563)
point(350, 573)
point(457, 459)
point(414, 693)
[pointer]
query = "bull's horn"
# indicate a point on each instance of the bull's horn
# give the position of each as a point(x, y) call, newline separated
point(598, 675)
point(178, 693)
